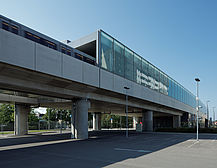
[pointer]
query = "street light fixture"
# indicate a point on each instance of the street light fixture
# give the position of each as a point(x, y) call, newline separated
point(197, 99)
point(126, 88)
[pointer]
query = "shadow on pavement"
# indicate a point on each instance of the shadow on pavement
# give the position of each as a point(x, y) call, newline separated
point(102, 149)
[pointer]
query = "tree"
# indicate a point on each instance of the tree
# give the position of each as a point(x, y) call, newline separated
point(57, 114)
point(106, 120)
point(32, 117)
point(116, 121)
point(65, 115)
point(52, 113)
point(6, 113)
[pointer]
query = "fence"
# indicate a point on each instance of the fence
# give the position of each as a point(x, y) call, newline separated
point(8, 128)
point(47, 125)
point(109, 124)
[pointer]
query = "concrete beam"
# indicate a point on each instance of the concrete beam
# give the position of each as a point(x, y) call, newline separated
point(18, 99)
point(43, 89)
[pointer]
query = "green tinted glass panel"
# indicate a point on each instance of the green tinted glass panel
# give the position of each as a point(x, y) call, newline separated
point(157, 76)
point(161, 85)
point(106, 52)
point(144, 75)
point(137, 69)
point(128, 64)
point(118, 58)
point(166, 84)
point(151, 76)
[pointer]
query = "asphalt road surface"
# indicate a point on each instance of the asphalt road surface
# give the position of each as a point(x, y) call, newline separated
point(110, 149)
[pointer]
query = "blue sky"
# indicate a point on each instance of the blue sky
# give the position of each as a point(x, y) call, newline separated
point(178, 36)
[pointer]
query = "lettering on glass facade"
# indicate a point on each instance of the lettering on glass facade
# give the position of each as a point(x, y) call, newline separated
point(145, 80)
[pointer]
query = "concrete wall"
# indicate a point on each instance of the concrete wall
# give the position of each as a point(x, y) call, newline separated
point(16, 50)
point(48, 60)
point(22, 52)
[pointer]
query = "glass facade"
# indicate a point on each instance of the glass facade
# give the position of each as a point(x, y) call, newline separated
point(128, 58)
point(144, 73)
point(137, 69)
point(117, 58)
point(107, 56)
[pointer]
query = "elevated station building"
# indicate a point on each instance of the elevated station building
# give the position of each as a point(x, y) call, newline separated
point(90, 74)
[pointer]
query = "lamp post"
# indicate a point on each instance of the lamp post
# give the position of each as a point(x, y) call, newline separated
point(207, 112)
point(48, 119)
point(197, 99)
point(126, 88)
point(213, 116)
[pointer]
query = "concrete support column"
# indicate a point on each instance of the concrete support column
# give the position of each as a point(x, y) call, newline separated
point(147, 121)
point(21, 119)
point(135, 121)
point(97, 121)
point(176, 121)
point(79, 122)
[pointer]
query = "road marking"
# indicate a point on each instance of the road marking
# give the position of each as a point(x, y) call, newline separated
point(132, 150)
point(193, 144)
point(214, 139)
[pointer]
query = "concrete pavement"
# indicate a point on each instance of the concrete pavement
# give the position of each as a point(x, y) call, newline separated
point(110, 149)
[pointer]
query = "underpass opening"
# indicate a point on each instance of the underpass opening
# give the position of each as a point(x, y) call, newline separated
point(21, 114)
